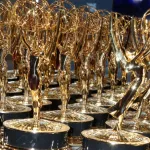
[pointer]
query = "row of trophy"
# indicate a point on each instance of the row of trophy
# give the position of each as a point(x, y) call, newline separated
point(45, 104)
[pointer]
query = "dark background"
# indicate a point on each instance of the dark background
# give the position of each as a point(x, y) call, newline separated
point(100, 4)
point(131, 7)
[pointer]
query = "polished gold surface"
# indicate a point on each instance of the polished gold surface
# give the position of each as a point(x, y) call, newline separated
point(70, 116)
point(90, 109)
point(131, 125)
point(13, 90)
point(106, 101)
point(12, 74)
point(108, 95)
point(132, 114)
point(12, 108)
point(43, 39)
point(53, 93)
point(111, 136)
point(45, 126)
point(21, 101)
point(75, 88)
point(14, 84)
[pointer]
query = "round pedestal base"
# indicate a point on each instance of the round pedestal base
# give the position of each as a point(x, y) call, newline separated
point(104, 102)
point(107, 139)
point(14, 91)
point(47, 135)
point(77, 123)
point(99, 114)
point(13, 84)
point(4, 146)
point(53, 93)
point(118, 93)
point(10, 111)
point(13, 78)
point(20, 100)
point(94, 100)
point(132, 114)
point(54, 96)
point(141, 127)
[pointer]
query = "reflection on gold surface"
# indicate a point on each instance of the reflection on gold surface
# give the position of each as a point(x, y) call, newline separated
point(90, 109)
point(112, 137)
point(11, 108)
point(19, 100)
point(70, 116)
point(27, 125)
point(45, 37)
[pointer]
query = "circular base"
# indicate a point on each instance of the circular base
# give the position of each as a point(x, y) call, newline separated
point(14, 84)
point(4, 146)
point(77, 122)
point(14, 91)
point(108, 139)
point(13, 78)
point(74, 88)
point(55, 97)
point(141, 127)
point(54, 84)
point(19, 100)
point(99, 114)
point(94, 100)
point(53, 93)
point(12, 75)
point(118, 93)
point(10, 111)
point(89, 109)
point(104, 102)
point(23, 134)
point(132, 114)
point(108, 95)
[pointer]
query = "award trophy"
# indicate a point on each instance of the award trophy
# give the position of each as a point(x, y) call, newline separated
point(39, 33)
point(73, 119)
point(35, 132)
point(25, 99)
point(48, 134)
point(84, 53)
point(102, 50)
point(121, 139)
point(137, 124)
point(7, 110)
